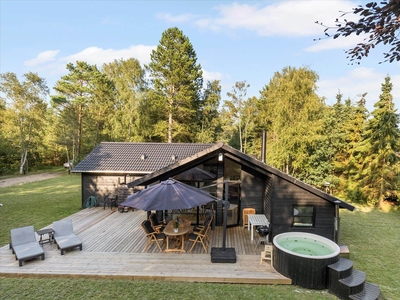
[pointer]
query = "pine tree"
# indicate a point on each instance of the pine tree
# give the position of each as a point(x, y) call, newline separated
point(177, 79)
point(380, 174)
point(85, 98)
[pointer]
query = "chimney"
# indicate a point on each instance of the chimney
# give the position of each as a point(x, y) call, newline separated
point(263, 146)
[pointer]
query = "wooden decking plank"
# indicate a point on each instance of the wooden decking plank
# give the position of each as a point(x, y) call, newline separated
point(113, 246)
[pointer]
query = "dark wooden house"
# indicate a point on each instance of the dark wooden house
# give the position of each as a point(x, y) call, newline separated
point(110, 166)
point(288, 203)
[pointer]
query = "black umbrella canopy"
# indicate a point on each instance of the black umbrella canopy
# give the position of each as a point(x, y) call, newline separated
point(167, 195)
point(195, 174)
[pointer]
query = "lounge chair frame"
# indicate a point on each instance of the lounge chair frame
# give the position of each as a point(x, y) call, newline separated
point(24, 244)
point(65, 237)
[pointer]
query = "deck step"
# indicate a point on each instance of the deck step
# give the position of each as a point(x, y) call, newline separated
point(370, 292)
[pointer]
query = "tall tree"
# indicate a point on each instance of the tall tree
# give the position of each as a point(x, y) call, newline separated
point(381, 143)
point(177, 78)
point(208, 113)
point(85, 95)
point(292, 112)
point(130, 84)
point(28, 106)
point(381, 24)
point(236, 107)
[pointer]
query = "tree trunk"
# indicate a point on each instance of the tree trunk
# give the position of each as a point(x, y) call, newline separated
point(170, 128)
point(80, 117)
point(23, 161)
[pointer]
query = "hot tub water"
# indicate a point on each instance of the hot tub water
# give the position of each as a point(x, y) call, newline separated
point(305, 246)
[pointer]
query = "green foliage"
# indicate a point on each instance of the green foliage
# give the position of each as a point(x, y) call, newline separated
point(380, 145)
point(23, 119)
point(291, 112)
point(210, 125)
point(83, 104)
point(177, 79)
point(128, 121)
point(357, 196)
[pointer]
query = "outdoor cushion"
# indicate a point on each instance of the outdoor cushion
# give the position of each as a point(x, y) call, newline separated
point(65, 236)
point(24, 244)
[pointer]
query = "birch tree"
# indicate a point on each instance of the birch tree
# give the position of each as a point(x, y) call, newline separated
point(27, 103)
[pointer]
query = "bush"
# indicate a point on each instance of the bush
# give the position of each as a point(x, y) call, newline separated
point(357, 196)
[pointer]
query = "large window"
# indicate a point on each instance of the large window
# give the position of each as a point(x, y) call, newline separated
point(303, 215)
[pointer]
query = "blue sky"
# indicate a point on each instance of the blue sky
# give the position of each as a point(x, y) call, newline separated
point(234, 40)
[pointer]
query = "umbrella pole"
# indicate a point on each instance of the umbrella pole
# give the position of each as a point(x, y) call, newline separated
point(224, 255)
point(226, 207)
point(198, 213)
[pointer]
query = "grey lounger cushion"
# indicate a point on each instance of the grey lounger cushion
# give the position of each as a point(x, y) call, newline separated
point(24, 244)
point(65, 236)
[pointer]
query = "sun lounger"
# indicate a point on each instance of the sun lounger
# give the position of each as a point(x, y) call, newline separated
point(24, 244)
point(64, 235)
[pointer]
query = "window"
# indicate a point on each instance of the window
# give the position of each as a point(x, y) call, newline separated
point(303, 215)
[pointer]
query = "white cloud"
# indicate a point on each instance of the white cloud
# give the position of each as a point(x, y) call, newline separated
point(41, 58)
point(285, 18)
point(210, 76)
point(356, 82)
point(47, 65)
point(99, 56)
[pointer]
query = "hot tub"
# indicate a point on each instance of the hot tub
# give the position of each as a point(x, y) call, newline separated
point(303, 257)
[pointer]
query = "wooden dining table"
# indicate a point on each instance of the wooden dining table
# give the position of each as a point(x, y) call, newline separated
point(179, 237)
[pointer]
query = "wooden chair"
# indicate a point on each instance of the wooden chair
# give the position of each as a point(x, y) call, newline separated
point(199, 237)
point(152, 235)
point(247, 211)
point(206, 223)
point(158, 227)
point(266, 254)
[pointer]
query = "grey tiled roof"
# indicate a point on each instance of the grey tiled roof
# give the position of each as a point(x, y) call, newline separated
point(136, 157)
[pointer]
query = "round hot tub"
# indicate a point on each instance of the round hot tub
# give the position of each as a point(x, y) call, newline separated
point(303, 257)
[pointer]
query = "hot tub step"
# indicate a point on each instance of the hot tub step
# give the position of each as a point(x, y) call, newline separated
point(339, 270)
point(353, 284)
point(370, 292)
point(343, 264)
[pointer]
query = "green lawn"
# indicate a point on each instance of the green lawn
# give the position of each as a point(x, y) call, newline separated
point(372, 236)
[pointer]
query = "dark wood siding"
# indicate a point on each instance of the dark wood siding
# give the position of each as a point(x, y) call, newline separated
point(285, 196)
point(268, 195)
point(252, 190)
point(101, 185)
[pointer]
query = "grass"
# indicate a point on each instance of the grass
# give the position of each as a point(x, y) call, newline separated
point(371, 235)
point(38, 203)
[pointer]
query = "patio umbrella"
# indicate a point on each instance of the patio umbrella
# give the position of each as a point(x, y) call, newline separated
point(195, 174)
point(167, 195)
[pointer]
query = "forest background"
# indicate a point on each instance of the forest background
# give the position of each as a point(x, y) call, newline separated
point(341, 148)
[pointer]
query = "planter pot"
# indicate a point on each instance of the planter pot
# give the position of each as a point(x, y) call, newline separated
point(175, 229)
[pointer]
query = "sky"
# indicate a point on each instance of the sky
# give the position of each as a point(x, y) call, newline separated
point(233, 40)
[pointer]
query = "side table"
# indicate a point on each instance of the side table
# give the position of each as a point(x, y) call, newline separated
point(42, 232)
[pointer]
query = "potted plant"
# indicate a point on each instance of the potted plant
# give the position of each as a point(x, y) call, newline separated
point(176, 225)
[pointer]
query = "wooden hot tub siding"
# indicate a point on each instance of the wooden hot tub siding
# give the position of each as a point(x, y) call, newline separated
point(305, 272)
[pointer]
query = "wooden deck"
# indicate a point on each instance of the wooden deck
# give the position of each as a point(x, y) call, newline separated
point(113, 246)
